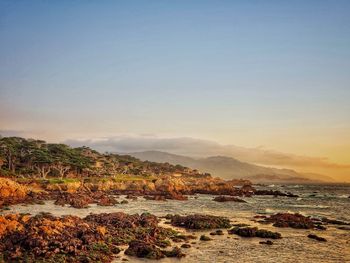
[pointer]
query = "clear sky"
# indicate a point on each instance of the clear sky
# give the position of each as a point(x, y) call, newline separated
point(252, 73)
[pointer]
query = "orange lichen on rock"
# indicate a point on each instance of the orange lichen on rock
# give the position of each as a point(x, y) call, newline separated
point(102, 230)
point(55, 226)
point(10, 223)
point(11, 191)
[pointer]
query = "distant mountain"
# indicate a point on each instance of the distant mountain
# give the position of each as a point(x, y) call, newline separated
point(230, 168)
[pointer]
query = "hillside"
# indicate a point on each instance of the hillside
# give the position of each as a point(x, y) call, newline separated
point(230, 168)
point(29, 158)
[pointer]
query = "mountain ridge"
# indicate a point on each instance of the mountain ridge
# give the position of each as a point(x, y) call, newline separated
point(231, 168)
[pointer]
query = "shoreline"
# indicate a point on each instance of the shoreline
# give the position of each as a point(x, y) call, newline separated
point(188, 207)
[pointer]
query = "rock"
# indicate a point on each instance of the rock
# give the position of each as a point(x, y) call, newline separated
point(76, 200)
point(343, 228)
point(320, 227)
point(334, 221)
point(186, 245)
point(107, 201)
point(267, 242)
point(176, 239)
point(72, 239)
point(142, 249)
point(181, 238)
point(222, 198)
point(198, 221)
point(122, 220)
point(312, 236)
point(124, 202)
point(217, 232)
point(174, 253)
point(240, 225)
point(79, 202)
point(254, 232)
point(204, 238)
point(290, 220)
point(274, 193)
point(132, 197)
point(45, 236)
point(11, 192)
point(155, 197)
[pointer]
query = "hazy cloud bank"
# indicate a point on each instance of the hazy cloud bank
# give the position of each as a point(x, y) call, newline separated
point(203, 148)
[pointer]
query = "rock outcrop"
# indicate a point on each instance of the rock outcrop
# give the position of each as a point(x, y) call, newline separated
point(198, 221)
point(254, 232)
point(223, 198)
point(95, 238)
point(11, 192)
point(313, 236)
point(292, 220)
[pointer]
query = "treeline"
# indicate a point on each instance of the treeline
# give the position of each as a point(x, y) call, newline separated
point(35, 158)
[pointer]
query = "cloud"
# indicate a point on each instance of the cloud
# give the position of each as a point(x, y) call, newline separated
point(204, 148)
point(13, 133)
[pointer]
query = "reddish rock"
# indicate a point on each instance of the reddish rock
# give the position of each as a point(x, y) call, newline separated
point(254, 232)
point(186, 245)
point(291, 220)
point(198, 221)
point(76, 200)
point(72, 239)
point(334, 221)
point(222, 198)
point(107, 201)
point(143, 249)
point(312, 236)
point(11, 192)
point(204, 238)
point(174, 253)
point(217, 232)
point(155, 197)
point(274, 193)
point(267, 242)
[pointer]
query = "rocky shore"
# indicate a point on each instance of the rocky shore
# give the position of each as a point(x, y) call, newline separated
point(81, 193)
point(104, 237)
point(101, 237)
point(93, 238)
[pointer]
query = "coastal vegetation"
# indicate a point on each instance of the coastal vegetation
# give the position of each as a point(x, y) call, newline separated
point(36, 159)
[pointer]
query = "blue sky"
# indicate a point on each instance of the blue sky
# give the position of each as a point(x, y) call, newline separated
point(253, 73)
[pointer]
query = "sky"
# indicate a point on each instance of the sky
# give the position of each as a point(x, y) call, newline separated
point(271, 75)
